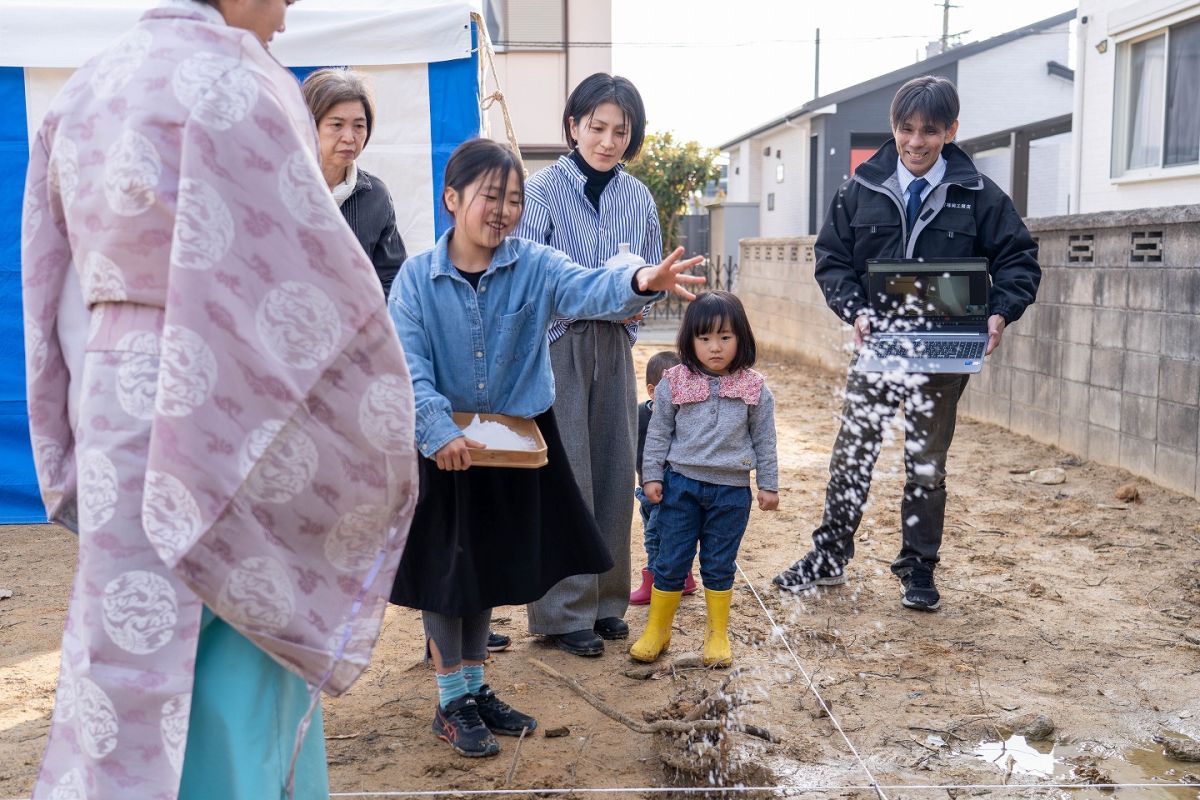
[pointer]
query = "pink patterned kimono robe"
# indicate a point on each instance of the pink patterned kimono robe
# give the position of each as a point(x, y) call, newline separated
point(218, 401)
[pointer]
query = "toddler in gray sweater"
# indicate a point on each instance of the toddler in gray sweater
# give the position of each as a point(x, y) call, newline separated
point(713, 422)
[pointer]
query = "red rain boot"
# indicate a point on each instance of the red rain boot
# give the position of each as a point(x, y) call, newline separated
point(689, 584)
point(641, 595)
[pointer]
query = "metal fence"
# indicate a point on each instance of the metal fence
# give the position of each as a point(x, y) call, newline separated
point(718, 273)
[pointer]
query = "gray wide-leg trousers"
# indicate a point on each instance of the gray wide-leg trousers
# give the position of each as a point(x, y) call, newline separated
point(596, 410)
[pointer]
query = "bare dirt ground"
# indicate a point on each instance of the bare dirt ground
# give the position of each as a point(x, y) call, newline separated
point(1058, 600)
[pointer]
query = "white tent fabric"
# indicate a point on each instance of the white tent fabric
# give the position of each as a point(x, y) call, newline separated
point(362, 32)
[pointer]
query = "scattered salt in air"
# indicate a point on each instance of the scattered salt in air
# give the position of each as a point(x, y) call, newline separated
point(497, 435)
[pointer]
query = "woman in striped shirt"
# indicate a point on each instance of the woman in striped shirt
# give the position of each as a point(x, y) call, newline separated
point(584, 205)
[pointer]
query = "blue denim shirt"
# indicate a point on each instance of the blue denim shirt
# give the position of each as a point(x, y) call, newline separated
point(487, 350)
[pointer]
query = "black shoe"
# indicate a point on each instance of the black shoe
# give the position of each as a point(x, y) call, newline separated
point(501, 718)
point(611, 628)
point(580, 643)
point(498, 642)
point(815, 569)
point(459, 724)
point(919, 591)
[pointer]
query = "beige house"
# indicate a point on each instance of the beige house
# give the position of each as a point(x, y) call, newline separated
point(544, 48)
point(1137, 104)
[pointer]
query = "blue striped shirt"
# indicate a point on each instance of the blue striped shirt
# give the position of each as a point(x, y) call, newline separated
point(558, 213)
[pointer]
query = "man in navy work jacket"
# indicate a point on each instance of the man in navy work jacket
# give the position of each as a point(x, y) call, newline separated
point(918, 196)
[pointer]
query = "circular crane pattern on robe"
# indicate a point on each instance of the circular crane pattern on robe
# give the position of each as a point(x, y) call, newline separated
point(219, 92)
point(132, 168)
point(299, 324)
point(121, 62)
point(170, 515)
point(187, 372)
point(258, 595)
point(204, 228)
point(380, 412)
point(140, 610)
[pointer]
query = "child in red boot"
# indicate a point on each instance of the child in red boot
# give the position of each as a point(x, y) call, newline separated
point(658, 363)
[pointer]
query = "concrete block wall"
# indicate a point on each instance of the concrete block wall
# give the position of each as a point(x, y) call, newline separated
point(786, 308)
point(1106, 363)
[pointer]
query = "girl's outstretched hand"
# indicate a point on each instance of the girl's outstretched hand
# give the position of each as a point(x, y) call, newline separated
point(666, 276)
point(454, 455)
point(767, 500)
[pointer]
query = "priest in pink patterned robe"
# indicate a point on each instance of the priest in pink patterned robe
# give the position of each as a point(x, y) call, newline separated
point(218, 401)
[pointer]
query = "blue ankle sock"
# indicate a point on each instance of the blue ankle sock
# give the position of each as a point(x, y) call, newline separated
point(473, 673)
point(451, 687)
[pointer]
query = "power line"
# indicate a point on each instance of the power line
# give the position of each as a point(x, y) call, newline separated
point(560, 45)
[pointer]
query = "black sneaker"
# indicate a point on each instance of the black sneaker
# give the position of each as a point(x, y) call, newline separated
point(919, 591)
point(459, 724)
point(815, 569)
point(498, 642)
point(501, 718)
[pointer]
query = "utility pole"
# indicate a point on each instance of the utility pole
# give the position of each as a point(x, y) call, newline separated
point(817, 67)
point(946, 24)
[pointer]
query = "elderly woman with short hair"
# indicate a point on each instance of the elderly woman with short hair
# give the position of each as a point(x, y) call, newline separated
point(341, 104)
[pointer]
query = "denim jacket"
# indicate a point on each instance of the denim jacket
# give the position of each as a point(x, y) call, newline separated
point(487, 350)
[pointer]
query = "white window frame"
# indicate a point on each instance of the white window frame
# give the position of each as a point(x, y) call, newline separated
point(1124, 40)
point(504, 9)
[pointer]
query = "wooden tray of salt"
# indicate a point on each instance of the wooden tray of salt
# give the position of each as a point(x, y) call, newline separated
point(494, 456)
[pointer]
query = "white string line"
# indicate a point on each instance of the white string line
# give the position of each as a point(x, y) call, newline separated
point(811, 685)
point(787, 789)
point(921, 787)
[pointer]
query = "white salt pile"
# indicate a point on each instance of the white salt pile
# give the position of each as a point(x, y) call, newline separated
point(497, 435)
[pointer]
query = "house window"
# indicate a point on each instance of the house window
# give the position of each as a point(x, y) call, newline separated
point(779, 173)
point(536, 25)
point(771, 201)
point(1156, 123)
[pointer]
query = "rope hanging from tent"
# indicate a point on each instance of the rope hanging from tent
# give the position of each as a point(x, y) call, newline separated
point(487, 63)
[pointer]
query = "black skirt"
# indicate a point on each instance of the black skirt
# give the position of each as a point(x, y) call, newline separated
point(491, 536)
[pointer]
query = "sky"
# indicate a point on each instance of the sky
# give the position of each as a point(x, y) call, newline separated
point(711, 70)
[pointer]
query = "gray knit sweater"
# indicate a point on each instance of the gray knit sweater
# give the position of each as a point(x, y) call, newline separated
point(718, 440)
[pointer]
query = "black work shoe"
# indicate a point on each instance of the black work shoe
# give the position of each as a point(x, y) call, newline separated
point(611, 628)
point(815, 569)
point(501, 718)
point(919, 591)
point(459, 724)
point(580, 643)
point(498, 642)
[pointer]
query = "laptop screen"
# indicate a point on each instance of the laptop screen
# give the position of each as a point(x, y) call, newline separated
point(929, 294)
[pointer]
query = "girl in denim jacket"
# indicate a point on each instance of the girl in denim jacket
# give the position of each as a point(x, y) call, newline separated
point(713, 422)
point(472, 314)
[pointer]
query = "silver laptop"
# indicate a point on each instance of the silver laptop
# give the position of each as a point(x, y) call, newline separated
point(926, 316)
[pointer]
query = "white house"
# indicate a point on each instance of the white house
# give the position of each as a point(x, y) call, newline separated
point(1137, 104)
point(1016, 93)
point(544, 48)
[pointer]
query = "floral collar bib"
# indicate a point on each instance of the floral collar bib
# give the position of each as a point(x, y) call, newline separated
point(693, 387)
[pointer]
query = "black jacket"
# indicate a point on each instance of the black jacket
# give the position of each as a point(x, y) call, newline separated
point(372, 217)
point(967, 215)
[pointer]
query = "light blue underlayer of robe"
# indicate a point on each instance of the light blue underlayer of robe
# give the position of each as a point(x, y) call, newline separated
point(246, 709)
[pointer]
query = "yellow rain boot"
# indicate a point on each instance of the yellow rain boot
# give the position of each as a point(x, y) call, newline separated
point(657, 635)
point(717, 651)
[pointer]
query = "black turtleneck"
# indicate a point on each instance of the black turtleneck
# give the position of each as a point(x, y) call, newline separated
point(596, 180)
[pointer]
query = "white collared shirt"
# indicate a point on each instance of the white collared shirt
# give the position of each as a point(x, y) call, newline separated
point(934, 176)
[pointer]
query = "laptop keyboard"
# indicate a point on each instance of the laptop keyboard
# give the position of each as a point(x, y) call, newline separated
point(926, 348)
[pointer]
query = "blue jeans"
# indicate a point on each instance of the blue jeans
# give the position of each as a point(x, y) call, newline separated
point(694, 512)
point(649, 513)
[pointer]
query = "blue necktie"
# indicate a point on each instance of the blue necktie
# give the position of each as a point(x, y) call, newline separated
point(914, 201)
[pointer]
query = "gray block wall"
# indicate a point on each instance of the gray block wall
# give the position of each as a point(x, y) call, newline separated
point(1106, 363)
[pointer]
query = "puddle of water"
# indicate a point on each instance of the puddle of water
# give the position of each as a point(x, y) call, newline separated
point(1088, 761)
